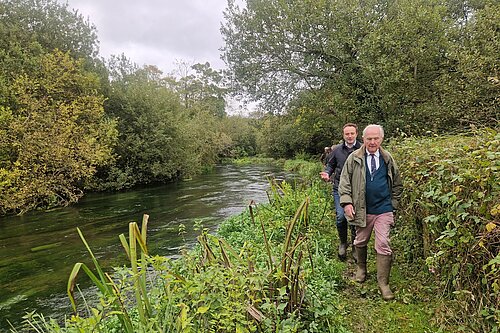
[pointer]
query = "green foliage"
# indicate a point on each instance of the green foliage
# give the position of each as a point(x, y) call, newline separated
point(203, 88)
point(30, 28)
point(471, 90)
point(207, 140)
point(404, 56)
point(312, 122)
point(256, 160)
point(160, 139)
point(54, 138)
point(42, 21)
point(54, 133)
point(243, 136)
point(277, 137)
point(148, 121)
point(411, 66)
point(451, 212)
point(293, 44)
point(318, 118)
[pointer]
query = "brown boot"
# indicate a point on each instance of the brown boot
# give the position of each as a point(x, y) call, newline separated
point(354, 255)
point(383, 272)
point(361, 253)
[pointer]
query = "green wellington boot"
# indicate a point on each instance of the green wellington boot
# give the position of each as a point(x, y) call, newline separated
point(353, 237)
point(342, 230)
point(383, 272)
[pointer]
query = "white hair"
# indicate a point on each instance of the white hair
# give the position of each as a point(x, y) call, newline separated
point(380, 128)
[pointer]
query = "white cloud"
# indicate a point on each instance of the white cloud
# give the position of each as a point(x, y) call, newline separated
point(157, 32)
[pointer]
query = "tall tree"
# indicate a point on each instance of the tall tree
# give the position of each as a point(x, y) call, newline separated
point(472, 89)
point(29, 28)
point(242, 134)
point(51, 24)
point(390, 62)
point(151, 142)
point(54, 137)
point(202, 85)
point(404, 56)
point(275, 49)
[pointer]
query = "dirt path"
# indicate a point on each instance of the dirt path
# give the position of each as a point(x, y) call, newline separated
point(412, 310)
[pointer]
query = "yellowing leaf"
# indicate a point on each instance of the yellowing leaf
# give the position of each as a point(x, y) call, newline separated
point(241, 329)
point(490, 226)
point(202, 309)
point(495, 210)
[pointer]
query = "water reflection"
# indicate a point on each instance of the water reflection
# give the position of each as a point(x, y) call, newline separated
point(38, 250)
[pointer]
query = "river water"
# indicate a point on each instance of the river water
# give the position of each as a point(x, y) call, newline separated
point(38, 250)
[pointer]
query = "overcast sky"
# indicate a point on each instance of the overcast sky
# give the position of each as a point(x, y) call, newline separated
point(157, 32)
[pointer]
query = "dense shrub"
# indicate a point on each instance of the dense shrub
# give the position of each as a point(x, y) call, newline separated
point(452, 216)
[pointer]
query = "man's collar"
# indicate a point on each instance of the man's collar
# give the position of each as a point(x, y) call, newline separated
point(350, 146)
point(377, 153)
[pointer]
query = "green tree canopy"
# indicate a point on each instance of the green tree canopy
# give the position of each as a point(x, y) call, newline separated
point(49, 23)
point(29, 28)
point(275, 49)
point(54, 138)
point(150, 145)
point(411, 65)
point(202, 85)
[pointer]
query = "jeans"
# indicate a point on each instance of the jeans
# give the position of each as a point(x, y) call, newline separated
point(342, 225)
point(339, 211)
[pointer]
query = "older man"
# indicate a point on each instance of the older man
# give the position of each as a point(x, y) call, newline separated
point(334, 164)
point(370, 188)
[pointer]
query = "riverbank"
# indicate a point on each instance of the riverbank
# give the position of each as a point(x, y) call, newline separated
point(274, 268)
point(38, 249)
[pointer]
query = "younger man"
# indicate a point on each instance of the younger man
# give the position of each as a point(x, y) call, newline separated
point(334, 164)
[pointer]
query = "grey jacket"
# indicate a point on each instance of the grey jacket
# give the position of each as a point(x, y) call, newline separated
point(352, 186)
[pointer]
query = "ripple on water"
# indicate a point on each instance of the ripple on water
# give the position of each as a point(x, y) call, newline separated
point(37, 280)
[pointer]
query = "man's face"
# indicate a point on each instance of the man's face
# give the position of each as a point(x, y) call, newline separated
point(372, 139)
point(350, 134)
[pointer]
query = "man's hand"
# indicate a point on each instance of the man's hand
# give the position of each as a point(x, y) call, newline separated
point(324, 176)
point(349, 212)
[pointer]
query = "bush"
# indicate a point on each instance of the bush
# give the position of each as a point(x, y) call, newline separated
point(451, 210)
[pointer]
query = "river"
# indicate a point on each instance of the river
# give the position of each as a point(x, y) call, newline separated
point(38, 249)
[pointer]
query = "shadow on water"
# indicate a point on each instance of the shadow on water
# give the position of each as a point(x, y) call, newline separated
point(38, 250)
